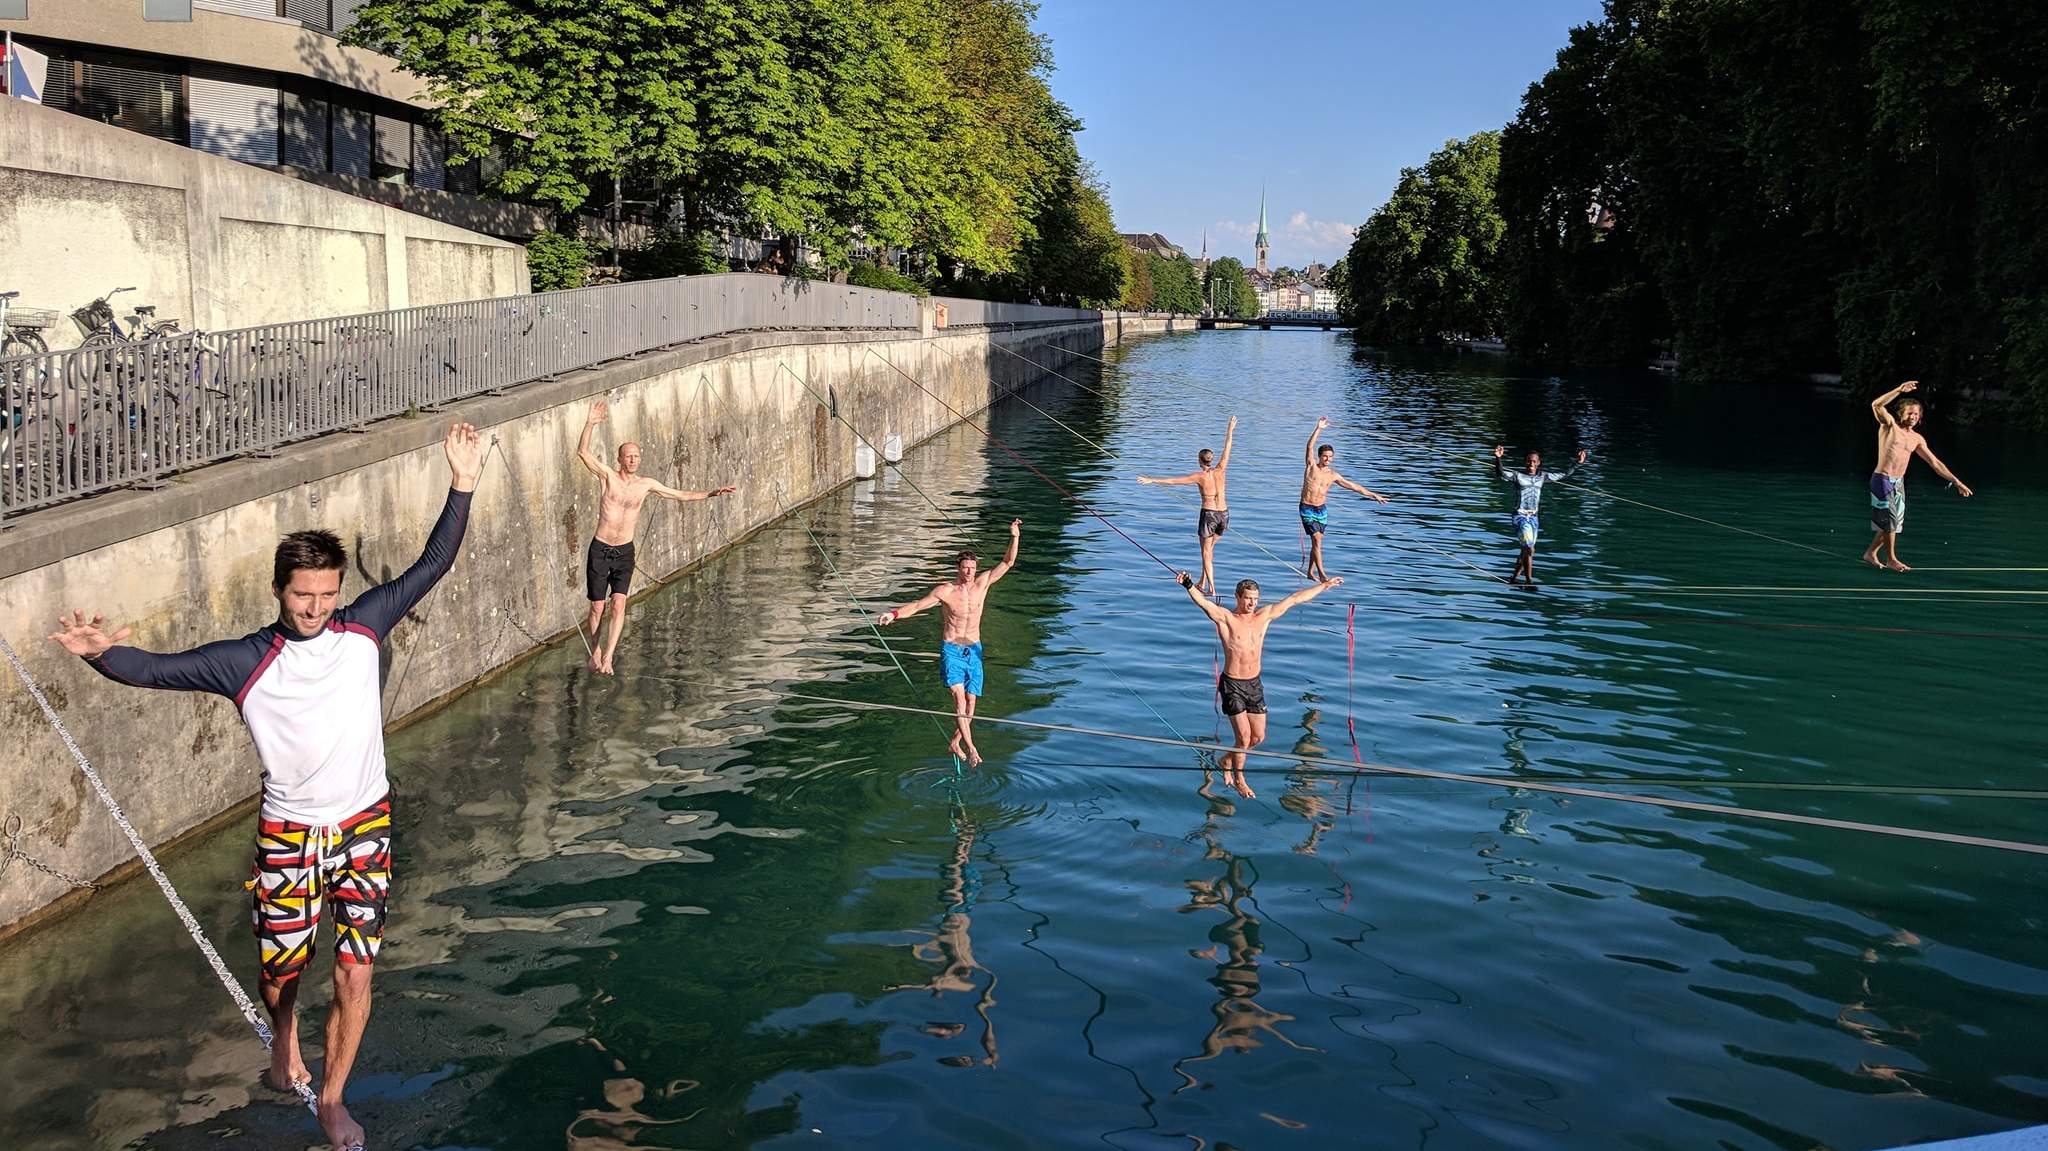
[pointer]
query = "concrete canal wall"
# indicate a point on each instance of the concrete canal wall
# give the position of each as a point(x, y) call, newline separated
point(190, 562)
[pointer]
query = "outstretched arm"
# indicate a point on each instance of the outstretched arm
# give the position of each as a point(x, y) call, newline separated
point(1881, 406)
point(1500, 465)
point(1927, 453)
point(1170, 481)
point(381, 607)
point(1570, 471)
point(222, 668)
point(1361, 489)
point(1201, 601)
point(1009, 557)
point(666, 492)
point(929, 600)
point(1229, 433)
point(597, 466)
point(1301, 597)
point(1308, 454)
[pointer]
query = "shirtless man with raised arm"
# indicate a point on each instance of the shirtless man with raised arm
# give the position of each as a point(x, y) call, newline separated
point(608, 566)
point(1215, 516)
point(960, 655)
point(1316, 478)
point(1243, 632)
point(1898, 441)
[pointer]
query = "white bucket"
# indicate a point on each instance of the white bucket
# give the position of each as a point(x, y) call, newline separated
point(864, 462)
point(892, 448)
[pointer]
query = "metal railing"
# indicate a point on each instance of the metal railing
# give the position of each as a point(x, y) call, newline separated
point(86, 420)
point(982, 313)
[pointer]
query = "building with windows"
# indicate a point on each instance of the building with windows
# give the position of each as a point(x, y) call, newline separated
point(263, 82)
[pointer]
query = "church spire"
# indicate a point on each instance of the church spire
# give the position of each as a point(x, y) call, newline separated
point(1260, 244)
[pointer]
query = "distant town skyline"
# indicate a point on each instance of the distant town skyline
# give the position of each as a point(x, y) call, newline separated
point(1319, 102)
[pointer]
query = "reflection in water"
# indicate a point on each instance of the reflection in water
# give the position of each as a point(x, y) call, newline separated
point(951, 948)
point(1234, 947)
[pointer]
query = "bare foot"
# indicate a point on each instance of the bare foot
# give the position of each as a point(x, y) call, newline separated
point(1896, 566)
point(342, 1129)
point(1240, 784)
point(953, 748)
point(973, 756)
point(594, 663)
point(287, 1070)
point(1871, 559)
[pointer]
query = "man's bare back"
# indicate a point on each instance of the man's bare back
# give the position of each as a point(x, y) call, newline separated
point(1211, 485)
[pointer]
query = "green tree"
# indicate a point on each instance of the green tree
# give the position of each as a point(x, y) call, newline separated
point(1338, 278)
point(1175, 287)
point(1139, 291)
point(893, 122)
point(1229, 290)
point(1425, 264)
point(1788, 188)
point(1074, 255)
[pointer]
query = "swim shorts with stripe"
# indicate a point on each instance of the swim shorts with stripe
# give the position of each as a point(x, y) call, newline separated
point(299, 869)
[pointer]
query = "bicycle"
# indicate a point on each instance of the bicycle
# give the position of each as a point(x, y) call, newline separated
point(21, 329)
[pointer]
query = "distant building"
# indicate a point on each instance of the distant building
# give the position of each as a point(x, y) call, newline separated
point(1314, 273)
point(1325, 300)
point(1202, 265)
point(1154, 243)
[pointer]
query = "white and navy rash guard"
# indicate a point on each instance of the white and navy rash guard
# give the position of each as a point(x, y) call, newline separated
point(313, 703)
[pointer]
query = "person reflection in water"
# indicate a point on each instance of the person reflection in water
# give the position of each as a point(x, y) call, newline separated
point(1243, 632)
point(952, 948)
point(1234, 947)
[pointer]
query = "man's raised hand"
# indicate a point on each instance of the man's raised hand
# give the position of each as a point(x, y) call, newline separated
point(1910, 385)
point(598, 411)
point(724, 491)
point(83, 637)
point(465, 451)
point(1322, 422)
point(1499, 450)
point(1582, 455)
point(1016, 526)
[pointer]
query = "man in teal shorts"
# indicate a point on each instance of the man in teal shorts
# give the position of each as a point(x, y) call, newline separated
point(960, 655)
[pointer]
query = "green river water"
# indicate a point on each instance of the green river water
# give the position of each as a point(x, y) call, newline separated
point(681, 909)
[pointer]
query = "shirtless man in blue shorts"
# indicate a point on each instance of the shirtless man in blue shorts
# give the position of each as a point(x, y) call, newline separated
point(960, 655)
point(1318, 475)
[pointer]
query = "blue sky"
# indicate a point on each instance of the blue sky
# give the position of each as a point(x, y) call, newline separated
point(1190, 104)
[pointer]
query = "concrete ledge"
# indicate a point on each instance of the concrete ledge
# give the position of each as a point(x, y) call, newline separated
point(48, 535)
point(190, 562)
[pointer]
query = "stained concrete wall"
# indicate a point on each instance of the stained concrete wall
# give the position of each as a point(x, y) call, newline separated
point(191, 562)
point(86, 207)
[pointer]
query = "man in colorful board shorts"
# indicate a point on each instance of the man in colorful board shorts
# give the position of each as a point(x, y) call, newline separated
point(1898, 441)
point(1211, 478)
point(1531, 484)
point(310, 690)
point(1240, 688)
point(960, 654)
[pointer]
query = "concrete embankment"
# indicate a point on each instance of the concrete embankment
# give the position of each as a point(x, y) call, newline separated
point(190, 562)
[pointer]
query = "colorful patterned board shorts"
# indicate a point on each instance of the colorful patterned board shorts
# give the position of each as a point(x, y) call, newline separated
point(299, 869)
point(1887, 503)
point(1526, 526)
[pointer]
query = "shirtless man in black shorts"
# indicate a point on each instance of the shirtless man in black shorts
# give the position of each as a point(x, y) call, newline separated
point(1243, 632)
point(1215, 517)
point(608, 566)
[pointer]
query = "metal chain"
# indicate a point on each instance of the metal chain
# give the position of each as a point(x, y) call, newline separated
point(156, 872)
point(11, 850)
